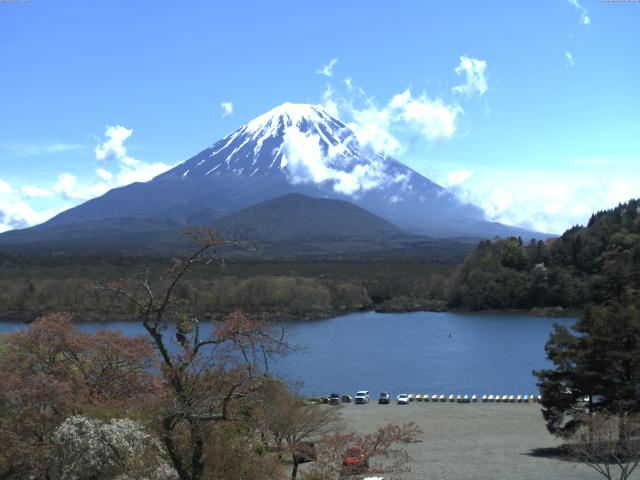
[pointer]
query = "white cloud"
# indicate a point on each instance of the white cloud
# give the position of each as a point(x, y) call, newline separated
point(584, 18)
point(227, 108)
point(432, 118)
point(372, 127)
point(113, 148)
point(32, 191)
point(112, 152)
point(473, 70)
point(15, 212)
point(67, 186)
point(139, 172)
point(306, 162)
point(546, 201)
point(104, 174)
point(385, 128)
point(5, 188)
point(569, 57)
point(327, 70)
point(118, 169)
point(130, 169)
point(456, 177)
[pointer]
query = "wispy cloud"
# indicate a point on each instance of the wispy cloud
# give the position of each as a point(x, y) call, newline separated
point(584, 18)
point(475, 82)
point(125, 169)
point(545, 201)
point(457, 177)
point(384, 127)
point(116, 168)
point(569, 58)
point(327, 70)
point(227, 108)
point(33, 191)
point(38, 149)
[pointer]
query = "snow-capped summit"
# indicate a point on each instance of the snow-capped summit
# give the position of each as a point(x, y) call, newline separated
point(293, 148)
point(289, 114)
point(287, 139)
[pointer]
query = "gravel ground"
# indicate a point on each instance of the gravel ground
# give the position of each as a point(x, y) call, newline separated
point(478, 441)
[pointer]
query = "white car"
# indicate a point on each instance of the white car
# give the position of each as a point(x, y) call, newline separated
point(362, 397)
point(403, 399)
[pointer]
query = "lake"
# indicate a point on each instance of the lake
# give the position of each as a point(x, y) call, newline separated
point(420, 352)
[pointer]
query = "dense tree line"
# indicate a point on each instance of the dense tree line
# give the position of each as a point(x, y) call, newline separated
point(586, 265)
point(29, 288)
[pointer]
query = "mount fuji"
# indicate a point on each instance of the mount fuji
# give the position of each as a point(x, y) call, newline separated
point(294, 148)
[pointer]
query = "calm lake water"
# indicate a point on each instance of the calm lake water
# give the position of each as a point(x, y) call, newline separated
point(421, 352)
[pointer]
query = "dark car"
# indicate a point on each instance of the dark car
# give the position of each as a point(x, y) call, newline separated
point(384, 398)
point(305, 452)
point(334, 399)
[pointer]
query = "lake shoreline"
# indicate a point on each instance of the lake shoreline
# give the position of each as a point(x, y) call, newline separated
point(422, 352)
point(27, 317)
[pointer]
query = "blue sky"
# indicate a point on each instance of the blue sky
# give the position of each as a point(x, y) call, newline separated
point(528, 109)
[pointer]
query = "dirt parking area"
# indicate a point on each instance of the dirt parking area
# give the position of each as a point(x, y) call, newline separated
point(478, 441)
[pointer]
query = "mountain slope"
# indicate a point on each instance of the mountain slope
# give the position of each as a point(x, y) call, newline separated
point(294, 148)
point(299, 217)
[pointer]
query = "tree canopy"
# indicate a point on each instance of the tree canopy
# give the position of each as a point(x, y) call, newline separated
point(586, 265)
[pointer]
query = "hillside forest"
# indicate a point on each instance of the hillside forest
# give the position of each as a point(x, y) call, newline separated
point(585, 265)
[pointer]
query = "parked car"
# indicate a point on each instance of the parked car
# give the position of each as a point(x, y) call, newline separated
point(346, 398)
point(305, 452)
point(403, 399)
point(384, 398)
point(334, 399)
point(362, 396)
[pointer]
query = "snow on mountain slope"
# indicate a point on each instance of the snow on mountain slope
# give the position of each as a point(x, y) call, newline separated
point(293, 148)
point(302, 142)
point(310, 151)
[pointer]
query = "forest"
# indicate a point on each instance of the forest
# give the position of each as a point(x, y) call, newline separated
point(295, 289)
point(586, 265)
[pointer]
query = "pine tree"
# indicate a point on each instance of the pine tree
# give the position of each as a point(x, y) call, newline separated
point(597, 367)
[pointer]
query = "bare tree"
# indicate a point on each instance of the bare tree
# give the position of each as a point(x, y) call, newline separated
point(204, 372)
point(379, 452)
point(298, 422)
point(609, 444)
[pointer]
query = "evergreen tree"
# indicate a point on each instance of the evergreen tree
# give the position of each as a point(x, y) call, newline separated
point(597, 367)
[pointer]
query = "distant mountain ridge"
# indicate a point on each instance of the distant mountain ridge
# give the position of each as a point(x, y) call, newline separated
point(294, 148)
